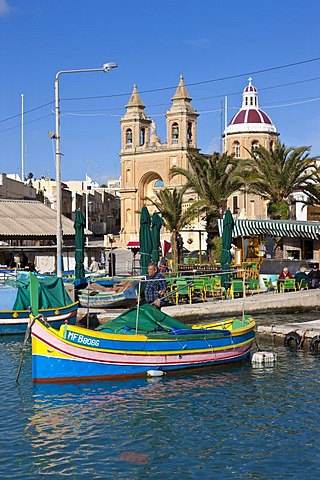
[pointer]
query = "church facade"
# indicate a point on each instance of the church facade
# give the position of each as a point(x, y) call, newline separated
point(146, 162)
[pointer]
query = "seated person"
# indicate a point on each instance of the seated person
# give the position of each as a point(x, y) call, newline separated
point(94, 265)
point(302, 275)
point(284, 274)
point(314, 276)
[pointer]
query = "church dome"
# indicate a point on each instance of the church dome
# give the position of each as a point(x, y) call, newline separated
point(250, 118)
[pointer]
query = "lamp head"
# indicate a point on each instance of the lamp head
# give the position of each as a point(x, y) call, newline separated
point(109, 66)
point(52, 135)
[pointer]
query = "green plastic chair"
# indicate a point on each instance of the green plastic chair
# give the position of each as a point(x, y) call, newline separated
point(184, 291)
point(289, 285)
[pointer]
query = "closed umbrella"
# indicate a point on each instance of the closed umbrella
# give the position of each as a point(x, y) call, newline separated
point(226, 246)
point(156, 224)
point(145, 240)
point(79, 225)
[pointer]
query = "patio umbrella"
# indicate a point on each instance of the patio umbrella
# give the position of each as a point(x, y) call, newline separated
point(156, 224)
point(145, 240)
point(79, 224)
point(226, 246)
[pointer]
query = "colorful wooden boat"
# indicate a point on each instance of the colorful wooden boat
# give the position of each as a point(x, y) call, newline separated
point(133, 344)
point(15, 301)
point(123, 294)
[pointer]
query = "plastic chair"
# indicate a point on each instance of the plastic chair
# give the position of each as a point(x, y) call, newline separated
point(236, 289)
point(253, 286)
point(210, 284)
point(199, 288)
point(303, 284)
point(289, 285)
point(184, 291)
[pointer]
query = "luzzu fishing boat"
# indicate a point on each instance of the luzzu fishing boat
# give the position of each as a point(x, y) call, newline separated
point(134, 343)
point(121, 294)
point(16, 299)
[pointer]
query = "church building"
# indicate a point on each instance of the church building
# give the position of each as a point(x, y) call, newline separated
point(249, 128)
point(145, 161)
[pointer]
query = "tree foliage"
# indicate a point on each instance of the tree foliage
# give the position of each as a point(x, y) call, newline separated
point(213, 181)
point(278, 173)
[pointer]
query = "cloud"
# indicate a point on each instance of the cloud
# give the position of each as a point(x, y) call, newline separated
point(5, 8)
point(198, 42)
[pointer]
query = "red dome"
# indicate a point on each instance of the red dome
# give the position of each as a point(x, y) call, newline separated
point(254, 115)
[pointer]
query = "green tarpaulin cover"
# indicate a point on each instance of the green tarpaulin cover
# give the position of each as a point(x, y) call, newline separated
point(150, 319)
point(52, 293)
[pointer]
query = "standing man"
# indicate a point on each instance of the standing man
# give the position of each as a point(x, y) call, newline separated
point(155, 286)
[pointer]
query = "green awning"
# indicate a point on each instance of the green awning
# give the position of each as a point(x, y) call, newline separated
point(274, 228)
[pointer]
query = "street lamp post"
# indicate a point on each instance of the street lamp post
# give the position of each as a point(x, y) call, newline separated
point(105, 68)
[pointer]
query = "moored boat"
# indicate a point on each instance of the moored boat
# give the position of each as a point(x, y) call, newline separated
point(133, 343)
point(15, 302)
point(122, 294)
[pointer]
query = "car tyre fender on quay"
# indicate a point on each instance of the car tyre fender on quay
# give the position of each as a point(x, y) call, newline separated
point(292, 339)
point(314, 344)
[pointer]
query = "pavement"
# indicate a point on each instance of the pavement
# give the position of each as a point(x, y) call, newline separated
point(258, 303)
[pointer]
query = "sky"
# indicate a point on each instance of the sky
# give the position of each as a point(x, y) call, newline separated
point(216, 45)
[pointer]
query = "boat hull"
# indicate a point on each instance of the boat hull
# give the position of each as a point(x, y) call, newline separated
point(103, 300)
point(13, 322)
point(75, 353)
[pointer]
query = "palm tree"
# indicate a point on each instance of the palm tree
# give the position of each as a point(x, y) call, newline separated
point(278, 173)
point(170, 205)
point(212, 179)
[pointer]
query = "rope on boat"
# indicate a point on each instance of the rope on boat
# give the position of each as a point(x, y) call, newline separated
point(26, 337)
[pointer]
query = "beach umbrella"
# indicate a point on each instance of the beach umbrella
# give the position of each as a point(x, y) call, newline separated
point(226, 246)
point(156, 224)
point(79, 225)
point(145, 240)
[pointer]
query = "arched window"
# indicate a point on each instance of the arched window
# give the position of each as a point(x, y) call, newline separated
point(175, 133)
point(271, 145)
point(142, 136)
point(189, 132)
point(129, 136)
point(128, 175)
point(158, 183)
point(128, 215)
point(254, 144)
point(236, 149)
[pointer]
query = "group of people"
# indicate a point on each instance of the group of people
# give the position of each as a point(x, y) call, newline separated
point(311, 279)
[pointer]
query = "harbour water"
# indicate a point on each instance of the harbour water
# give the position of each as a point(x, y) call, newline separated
point(230, 422)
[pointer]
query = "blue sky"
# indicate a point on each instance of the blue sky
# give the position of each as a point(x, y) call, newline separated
point(153, 44)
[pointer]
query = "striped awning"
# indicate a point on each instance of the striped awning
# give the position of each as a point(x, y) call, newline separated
point(274, 228)
point(133, 244)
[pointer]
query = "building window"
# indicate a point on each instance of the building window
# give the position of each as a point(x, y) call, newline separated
point(129, 136)
point(254, 144)
point(235, 208)
point(128, 175)
point(158, 183)
point(236, 149)
point(252, 207)
point(251, 101)
point(246, 100)
point(189, 132)
point(142, 136)
point(271, 145)
point(175, 133)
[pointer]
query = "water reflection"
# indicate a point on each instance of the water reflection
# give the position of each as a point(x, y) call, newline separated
point(227, 422)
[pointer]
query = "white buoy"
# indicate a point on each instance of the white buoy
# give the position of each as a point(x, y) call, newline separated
point(263, 357)
point(155, 373)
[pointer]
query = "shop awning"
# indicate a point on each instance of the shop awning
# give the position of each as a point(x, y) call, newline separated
point(274, 228)
point(133, 244)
